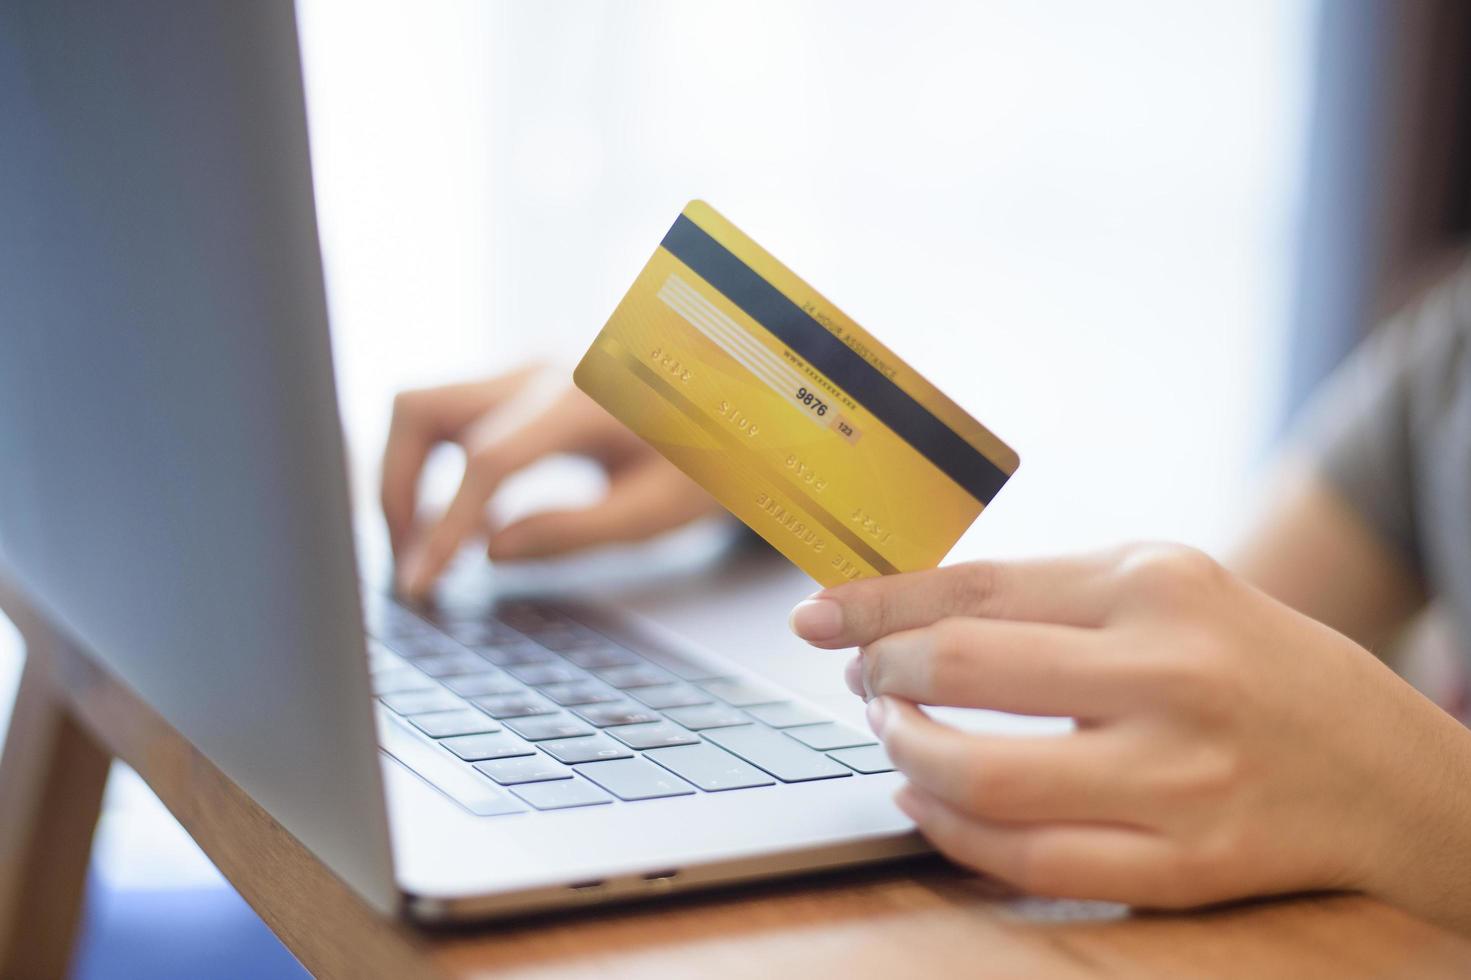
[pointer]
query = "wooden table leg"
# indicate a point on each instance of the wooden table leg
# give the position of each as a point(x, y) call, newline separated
point(52, 775)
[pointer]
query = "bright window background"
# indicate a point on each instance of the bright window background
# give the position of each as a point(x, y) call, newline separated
point(1073, 217)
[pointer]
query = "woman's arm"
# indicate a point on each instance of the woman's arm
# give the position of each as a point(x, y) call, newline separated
point(1310, 550)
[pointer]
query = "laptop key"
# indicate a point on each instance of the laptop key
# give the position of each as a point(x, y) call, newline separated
point(785, 758)
point(384, 664)
point(568, 637)
point(422, 702)
point(427, 645)
point(635, 779)
point(633, 675)
point(866, 759)
point(444, 724)
point(382, 658)
point(740, 693)
point(536, 675)
point(397, 680)
point(478, 633)
point(590, 748)
point(670, 695)
point(603, 655)
point(402, 627)
point(705, 716)
point(615, 713)
point(449, 664)
point(526, 769)
point(682, 667)
point(379, 615)
point(479, 685)
point(454, 779)
point(579, 692)
point(710, 768)
point(519, 652)
point(528, 616)
point(514, 705)
point(785, 714)
point(498, 745)
point(540, 727)
point(561, 794)
point(830, 735)
point(653, 735)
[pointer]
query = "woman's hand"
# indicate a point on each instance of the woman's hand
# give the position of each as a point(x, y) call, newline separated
point(504, 425)
point(1225, 746)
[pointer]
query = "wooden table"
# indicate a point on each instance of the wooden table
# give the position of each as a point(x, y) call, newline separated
point(924, 919)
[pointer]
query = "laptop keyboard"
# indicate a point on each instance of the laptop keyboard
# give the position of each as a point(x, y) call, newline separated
point(529, 709)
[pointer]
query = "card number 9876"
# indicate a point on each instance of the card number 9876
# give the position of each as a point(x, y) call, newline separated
point(812, 401)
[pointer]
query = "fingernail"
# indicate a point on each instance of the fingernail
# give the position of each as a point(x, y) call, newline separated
point(817, 619)
point(503, 547)
point(878, 708)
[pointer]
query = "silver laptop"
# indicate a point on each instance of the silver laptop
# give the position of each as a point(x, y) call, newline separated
point(173, 489)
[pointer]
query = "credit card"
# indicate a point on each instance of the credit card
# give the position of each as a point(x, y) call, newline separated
point(791, 415)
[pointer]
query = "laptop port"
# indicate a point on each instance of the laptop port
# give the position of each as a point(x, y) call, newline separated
point(587, 886)
point(665, 875)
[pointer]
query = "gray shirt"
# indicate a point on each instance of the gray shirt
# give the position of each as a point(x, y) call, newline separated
point(1391, 431)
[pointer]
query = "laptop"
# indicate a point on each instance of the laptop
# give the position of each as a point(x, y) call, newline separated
point(173, 491)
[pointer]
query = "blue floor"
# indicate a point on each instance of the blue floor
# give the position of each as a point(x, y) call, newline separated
point(176, 935)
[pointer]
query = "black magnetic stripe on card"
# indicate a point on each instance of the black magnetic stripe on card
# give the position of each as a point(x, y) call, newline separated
point(788, 322)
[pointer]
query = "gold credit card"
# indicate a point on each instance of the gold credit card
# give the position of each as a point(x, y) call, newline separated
point(790, 414)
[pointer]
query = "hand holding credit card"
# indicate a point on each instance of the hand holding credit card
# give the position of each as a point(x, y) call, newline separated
point(790, 414)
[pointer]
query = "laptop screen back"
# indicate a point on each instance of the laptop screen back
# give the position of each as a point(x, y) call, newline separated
point(172, 475)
